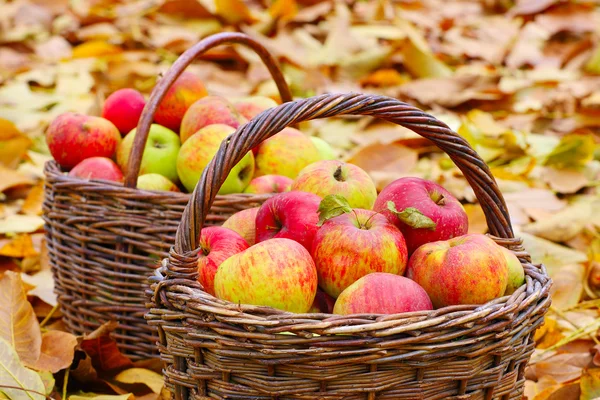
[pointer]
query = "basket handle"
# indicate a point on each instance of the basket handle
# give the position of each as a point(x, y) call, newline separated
point(271, 121)
point(163, 85)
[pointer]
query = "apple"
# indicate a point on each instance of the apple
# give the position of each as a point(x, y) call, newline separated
point(250, 107)
point(325, 150)
point(337, 177)
point(209, 110)
point(469, 269)
point(290, 215)
point(277, 273)
point(382, 293)
point(323, 303)
point(516, 274)
point(181, 95)
point(217, 244)
point(269, 184)
point(429, 199)
point(73, 137)
point(160, 153)
point(97, 168)
point(199, 150)
point(285, 153)
point(244, 223)
point(156, 182)
point(123, 108)
point(355, 244)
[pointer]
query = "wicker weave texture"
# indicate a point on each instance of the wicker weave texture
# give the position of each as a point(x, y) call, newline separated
point(219, 350)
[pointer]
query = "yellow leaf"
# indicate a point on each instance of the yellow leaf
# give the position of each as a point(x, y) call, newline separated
point(19, 247)
point(572, 151)
point(58, 350)
point(568, 286)
point(12, 178)
point(552, 255)
point(233, 11)
point(95, 48)
point(141, 375)
point(593, 65)
point(13, 373)
point(13, 144)
point(383, 78)
point(550, 335)
point(21, 224)
point(18, 323)
point(43, 283)
point(94, 396)
point(48, 380)
point(590, 384)
point(477, 222)
point(284, 9)
point(33, 202)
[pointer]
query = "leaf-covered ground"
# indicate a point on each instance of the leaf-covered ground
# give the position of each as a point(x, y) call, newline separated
point(520, 81)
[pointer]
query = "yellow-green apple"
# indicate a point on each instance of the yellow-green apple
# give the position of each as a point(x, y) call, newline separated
point(415, 198)
point(156, 182)
point(124, 108)
point(278, 273)
point(325, 150)
point(323, 303)
point(73, 137)
point(285, 154)
point(198, 150)
point(269, 184)
point(209, 110)
point(352, 245)
point(160, 153)
point(382, 293)
point(97, 168)
point(250, 107)
point(337, 177)
point(516, 274)
point(290, 215)
point(469, 269)
point(217, 244)
point(244, 223)
point(181, 95)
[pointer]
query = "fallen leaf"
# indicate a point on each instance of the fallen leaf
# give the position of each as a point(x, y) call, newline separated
point(590, 384)
point(565, 180)
point(12, 179)
point(140, 375)
point(552, 255)
point(21, 224)
point(48, 380)
point(58, 350)
point(567, 289)
point(562, 367)
point(18, 323)
point(233, 11)
point(21, 246)
point(95, 48)
point(103, 350)
point(13, 373)
point(13, 145)
point(43, 283)
point(284, 9)
point(477, 222)
point(33, 202)
point(535, 199)
point(82, 368)
point(572, 151)
point(94, 396)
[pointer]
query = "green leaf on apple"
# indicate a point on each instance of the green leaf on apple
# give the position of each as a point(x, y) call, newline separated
point(412, 217)
point(332, 206)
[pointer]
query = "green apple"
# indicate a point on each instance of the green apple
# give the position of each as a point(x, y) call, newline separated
point(156, 182)
point(325, 150)
point(160, 153)
point(516, 274)
point(200, 148)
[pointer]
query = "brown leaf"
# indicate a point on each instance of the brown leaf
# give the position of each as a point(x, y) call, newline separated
point(18, 323)
point(103, 350)
point(58, 350)
point(19, 247)
point(568, 286)
point(590, 384)
point(565, 180)
point(13, 145)
point(563, 367)
point(12, 179)
point(33, 202)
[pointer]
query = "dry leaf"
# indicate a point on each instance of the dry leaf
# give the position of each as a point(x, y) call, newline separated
point(565, 180)
point(12, 179)
point(140, 375)
point(58, 350)
point(21, 224)
point(95, 48)
point(590, 384)
point(94, 396)
point(13, 145)
point(33, 202)
point(13, 373)
point(552, 255)
point(18, 323)
point(562, 367)
point(477, 222)
point(43, 286)
point(21, 246)
point(103, 350)
point(568, 286)
point(233, 11)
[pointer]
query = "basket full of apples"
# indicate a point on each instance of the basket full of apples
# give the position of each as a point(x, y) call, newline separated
point(334, 291)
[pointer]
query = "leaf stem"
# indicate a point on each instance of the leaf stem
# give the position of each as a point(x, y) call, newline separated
point(49, 316)
point(65, 382)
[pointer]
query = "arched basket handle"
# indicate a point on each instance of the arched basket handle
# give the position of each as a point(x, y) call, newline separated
point(161, 88)
point(272, 121)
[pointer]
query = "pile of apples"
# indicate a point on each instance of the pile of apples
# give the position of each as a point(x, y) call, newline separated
point(331, 244)
point(189, 126)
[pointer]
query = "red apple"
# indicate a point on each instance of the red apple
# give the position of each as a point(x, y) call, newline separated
point(469, 269)
point(355, 244)
point(74, 137)
point(207, 111)
point(97, 168)
point(124, 108)
point(250, 107)
point(217, 244)
point(432, 201)
point(382, 293)
point(181, 95)
point(277, 273)
point(323, 303)
point(244, 223)
point(269, 184)
point(291, 215)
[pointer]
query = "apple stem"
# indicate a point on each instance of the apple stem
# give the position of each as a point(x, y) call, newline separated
point(439, 199)
point(338, 174)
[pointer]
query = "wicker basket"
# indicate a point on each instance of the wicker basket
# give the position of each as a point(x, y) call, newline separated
point(104, 239)
point(219, 350)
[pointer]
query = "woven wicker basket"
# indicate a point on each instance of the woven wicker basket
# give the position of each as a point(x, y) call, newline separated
point(104, 239)
point(219, 350)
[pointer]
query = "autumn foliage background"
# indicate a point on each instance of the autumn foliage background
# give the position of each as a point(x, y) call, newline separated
point(519, 80)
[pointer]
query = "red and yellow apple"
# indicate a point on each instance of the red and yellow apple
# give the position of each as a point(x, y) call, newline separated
point(469, 269)
point(337, 177)
point(217, 244)
point(250, 107)
point(207, 111)
point(123, 108)
point(516, 274)
point(269, 184)
point(431, 200)
point(181, 95)
point(382, 293)
point(355, 244)
point(73, 137)
point(277, 273)
point(244, 223)
point(156, 182)
point(290, 215)
point(97, 168)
